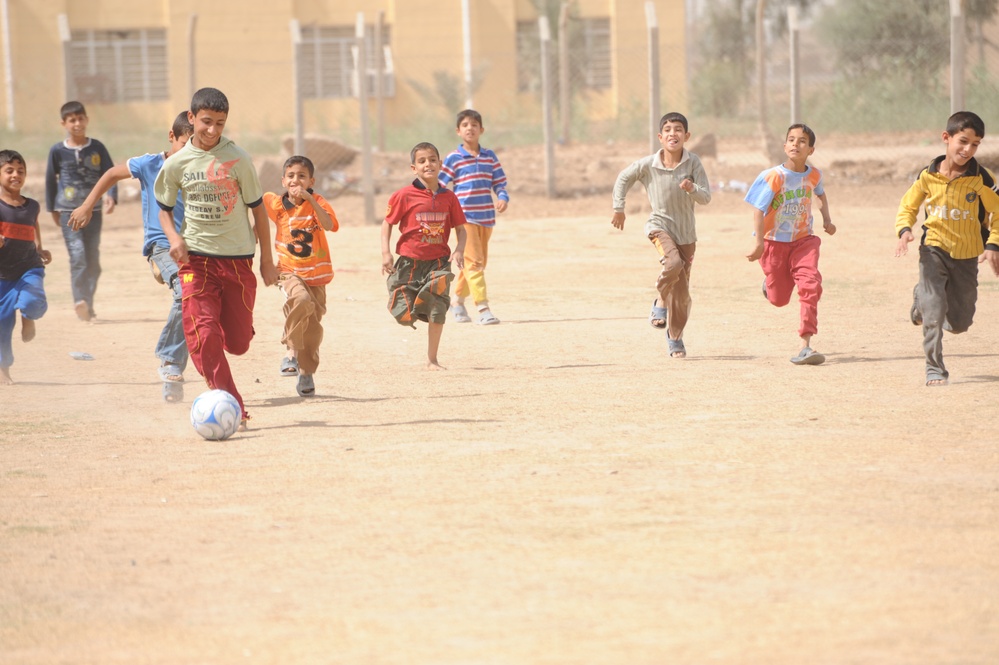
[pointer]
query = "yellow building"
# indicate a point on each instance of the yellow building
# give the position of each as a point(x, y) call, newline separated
point(135, 63)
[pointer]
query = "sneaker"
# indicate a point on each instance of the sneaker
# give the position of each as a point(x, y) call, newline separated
point(460, 314)
point(808, 357)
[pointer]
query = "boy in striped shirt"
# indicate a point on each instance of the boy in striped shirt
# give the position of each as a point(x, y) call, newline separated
point(957, 194)
point(477, 174)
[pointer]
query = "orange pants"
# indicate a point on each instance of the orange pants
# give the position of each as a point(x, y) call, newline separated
point(471, 279)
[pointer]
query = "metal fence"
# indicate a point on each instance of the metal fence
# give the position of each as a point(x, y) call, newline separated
point(873, 78)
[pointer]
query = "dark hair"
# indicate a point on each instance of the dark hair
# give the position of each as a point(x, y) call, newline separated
point(963, 120)
point(469, 113)
point(182, 126)
point(300, 160)
point(673, 116)
point(804, 128)
point(422, 146)
point(11, 156)
point(210, 99)
point(72, 108)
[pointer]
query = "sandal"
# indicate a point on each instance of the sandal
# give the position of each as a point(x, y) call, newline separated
point(676, 347)
point(306, 386)
point(487, 318)
point(657, 317)
point(460, 314)
point(289, 366)
point(173, 392)
point(171, 373)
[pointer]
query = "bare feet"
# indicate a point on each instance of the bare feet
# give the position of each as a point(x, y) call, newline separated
point(434, 366)
point(27, 329)
point(5, 379)
point(936, 382)
point(82, 311)
point(242, 425)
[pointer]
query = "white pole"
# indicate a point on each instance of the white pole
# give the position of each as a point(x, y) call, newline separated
point(8, 67)
point(65, 36)
point(466, 44)
point(956, 56)
point(367, 181)
point(652, 24)
point(296, 85)
point(792, 29)
point(546, 105)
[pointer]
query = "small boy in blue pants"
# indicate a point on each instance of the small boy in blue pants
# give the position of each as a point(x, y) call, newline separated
point(22, 260)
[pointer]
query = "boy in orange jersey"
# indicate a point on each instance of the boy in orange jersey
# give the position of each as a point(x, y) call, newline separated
point(301, 218)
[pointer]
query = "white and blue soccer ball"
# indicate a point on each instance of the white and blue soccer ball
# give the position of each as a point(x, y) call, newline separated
point(215, 415)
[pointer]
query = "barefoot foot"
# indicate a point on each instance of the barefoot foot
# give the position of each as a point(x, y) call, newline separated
point(434, 366)
point(5, 379)
point(27, 329)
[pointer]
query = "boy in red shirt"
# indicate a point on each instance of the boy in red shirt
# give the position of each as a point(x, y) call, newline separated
point(419, 281)
point(301, 218)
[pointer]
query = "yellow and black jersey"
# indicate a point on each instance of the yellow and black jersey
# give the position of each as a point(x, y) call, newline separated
point(959, 215)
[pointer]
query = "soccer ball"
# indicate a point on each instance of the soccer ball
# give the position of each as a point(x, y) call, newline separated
point(215, 415)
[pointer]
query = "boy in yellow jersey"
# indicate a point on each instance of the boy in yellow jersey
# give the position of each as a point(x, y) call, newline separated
point(958, 194)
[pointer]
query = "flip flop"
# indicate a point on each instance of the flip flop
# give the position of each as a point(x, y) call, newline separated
point(173, 392)
point(289, 366)
point(488, 319)
point(460, 314)
point(675, 347)
point(657, 317)
point(808, 357)
point(306, 386)
point(171, 373)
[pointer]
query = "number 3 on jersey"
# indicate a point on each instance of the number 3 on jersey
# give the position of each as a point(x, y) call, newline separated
point(301, 246)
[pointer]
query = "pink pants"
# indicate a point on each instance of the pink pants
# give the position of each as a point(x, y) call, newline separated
point(218, 316)
point(790, 264)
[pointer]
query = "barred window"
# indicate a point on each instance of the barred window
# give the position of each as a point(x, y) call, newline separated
point(113, 66)
point(329, 61)
point(595, 51)
point(589, 54)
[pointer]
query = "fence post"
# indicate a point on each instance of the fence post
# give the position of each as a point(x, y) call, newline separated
point(652, 24)
point(546, 105)
point(192, 25)
point(956, 56)
point(65, 36)
point(8, 68)
point(296, 61)
point(380, 81)
point(792, 31)
point(361, 68)
point(564, 90)
point(466, 47)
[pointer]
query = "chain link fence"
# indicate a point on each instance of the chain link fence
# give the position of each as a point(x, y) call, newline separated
point(873, 78)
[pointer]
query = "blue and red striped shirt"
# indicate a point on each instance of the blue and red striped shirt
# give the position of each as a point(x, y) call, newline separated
point(475, 178)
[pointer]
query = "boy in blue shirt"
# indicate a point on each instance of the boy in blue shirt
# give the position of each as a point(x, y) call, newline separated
point(74, 167)
point(477, 174)
point(171, 348)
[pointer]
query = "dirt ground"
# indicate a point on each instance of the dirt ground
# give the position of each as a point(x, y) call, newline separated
point(564, 494)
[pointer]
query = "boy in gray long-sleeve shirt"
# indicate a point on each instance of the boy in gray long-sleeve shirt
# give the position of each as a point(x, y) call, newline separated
point(674, 180)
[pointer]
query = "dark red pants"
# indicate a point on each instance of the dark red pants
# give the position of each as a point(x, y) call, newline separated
point(790, 264)
point(218, 315)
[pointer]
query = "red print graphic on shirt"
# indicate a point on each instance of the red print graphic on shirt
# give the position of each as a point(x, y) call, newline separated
point(227, 188)
point(432, 227)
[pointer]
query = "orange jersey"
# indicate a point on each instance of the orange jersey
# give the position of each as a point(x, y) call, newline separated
point(300, 239)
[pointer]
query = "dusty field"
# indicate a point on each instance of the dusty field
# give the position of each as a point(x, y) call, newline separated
point(565, 493)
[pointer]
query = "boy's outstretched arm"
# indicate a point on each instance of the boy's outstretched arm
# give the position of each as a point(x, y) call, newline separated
point(388, 266)
point(827, 223)
point(80, 217)
point(178, 248)
point(757, 236)
point(262, 226)
point(458, 255)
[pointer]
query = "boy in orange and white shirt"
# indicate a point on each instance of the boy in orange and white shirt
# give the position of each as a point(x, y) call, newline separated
point(302, 218)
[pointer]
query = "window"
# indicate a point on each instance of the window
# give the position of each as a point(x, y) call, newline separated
point(113, 66)
point(595, 52)
point(589, 54)
point(328, 62)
